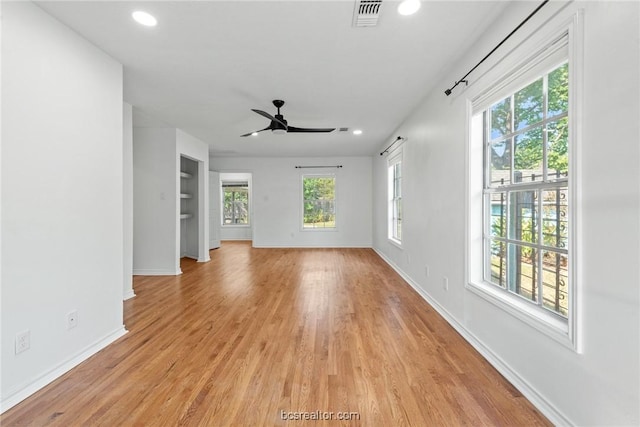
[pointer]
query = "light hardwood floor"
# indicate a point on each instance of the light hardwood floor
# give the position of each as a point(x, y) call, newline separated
point(256, 332)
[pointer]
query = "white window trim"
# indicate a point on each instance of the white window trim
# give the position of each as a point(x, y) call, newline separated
point(335, 201)
point(397, 157)
point(249, 206)
point(566, 332)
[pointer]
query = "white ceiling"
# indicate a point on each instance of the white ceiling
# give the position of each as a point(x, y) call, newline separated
point(207, 63)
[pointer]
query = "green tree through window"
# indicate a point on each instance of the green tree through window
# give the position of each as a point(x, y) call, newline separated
point(518, 123)
point(527, 227)
point(235, 203)
point(319, 202)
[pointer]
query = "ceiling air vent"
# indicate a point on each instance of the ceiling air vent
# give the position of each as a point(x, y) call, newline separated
point(343, 130)
point(366, 13)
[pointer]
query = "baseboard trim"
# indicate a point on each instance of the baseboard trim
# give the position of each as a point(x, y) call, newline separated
point(542, 404)
point(27, 390)
point(142, 272)
point(128, 294)
point(311, 247)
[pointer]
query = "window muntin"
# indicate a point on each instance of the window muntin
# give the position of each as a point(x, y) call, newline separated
point(318, 202)
point(526, 209)
point(235, 203)
point(395, 199)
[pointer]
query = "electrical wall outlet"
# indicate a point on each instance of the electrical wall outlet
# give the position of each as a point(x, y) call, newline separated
point(72, 319)
point(23, 341)
point(445, 283)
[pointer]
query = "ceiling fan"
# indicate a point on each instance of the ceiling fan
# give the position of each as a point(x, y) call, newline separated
point(279, 124)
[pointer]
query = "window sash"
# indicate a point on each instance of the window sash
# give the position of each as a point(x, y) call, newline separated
point(542, 124)
point(320, 207)
point(520, 245)
point(236, 211)
point(535, 65)
point(395, 198)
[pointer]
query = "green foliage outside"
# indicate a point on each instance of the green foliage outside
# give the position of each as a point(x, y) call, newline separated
point(528, 105)
point(319, 202)
point(519, 126)
point(554, 266)
point(529, 234)
point(236, 205)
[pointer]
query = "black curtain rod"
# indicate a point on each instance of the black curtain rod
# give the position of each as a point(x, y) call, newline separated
point(462, 80)
point(386, 150)
point(314, 167)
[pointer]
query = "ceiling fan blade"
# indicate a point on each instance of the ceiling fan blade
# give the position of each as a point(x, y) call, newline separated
point(309, 130)
point(270, 117)
point(256, 131)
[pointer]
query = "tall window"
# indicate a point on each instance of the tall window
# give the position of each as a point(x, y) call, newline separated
point(318, 202)
point(395, 198)
point(526, 183)
point(235, 201)
point(524, 186)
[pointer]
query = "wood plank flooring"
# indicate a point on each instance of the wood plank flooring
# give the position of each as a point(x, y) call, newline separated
point(256, 334)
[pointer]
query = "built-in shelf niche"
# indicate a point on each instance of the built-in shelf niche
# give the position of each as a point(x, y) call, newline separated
point(189, 227)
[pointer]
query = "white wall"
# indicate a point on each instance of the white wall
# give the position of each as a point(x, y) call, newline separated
point(156, 183)
point(127, 171)
point(236, 232)
point(601, 385)
point(155, 187)
point(62, 198)
point(277, 203)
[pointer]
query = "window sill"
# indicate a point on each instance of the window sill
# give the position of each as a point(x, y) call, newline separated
point(394, 242)
point(547, 323)
point(327, 229)
point(236, 225)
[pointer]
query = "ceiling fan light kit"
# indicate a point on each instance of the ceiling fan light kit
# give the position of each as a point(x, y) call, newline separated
point(280, 126)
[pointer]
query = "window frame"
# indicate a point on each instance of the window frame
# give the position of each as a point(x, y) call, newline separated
point(335, 202)
point(491, 87)
point(222, 194)
point(394, 203)
point(514, 188)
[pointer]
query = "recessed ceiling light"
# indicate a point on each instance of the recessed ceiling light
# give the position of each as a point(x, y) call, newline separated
point(408, 7)
point(357, 132)
point(144, 18)
point(254, 134)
